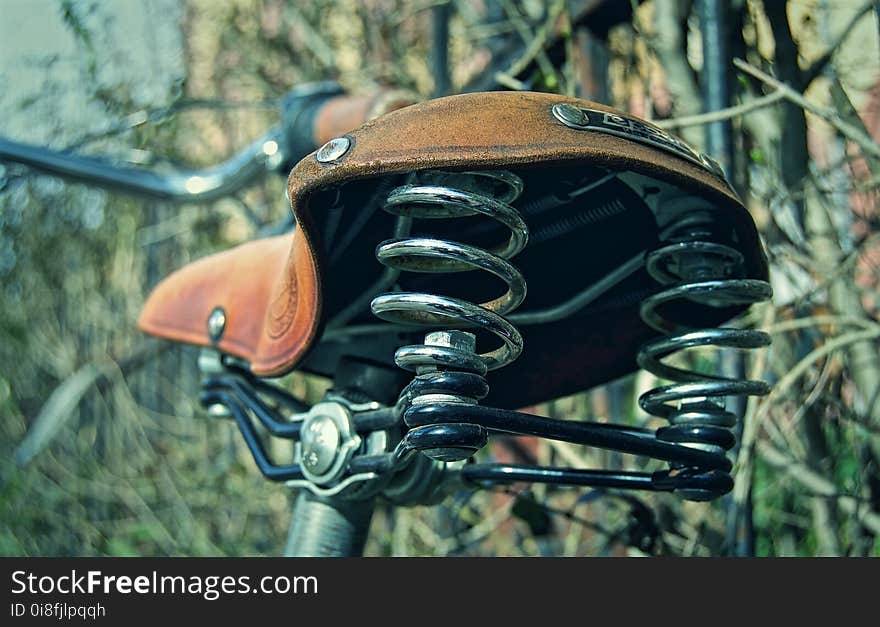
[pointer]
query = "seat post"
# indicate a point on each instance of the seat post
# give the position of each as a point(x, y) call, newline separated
point(328, 527)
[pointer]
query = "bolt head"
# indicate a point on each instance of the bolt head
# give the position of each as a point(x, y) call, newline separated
point(219, 411)
point(570, 115)
point(333, 150)
point(216, 323)
point(320, 442)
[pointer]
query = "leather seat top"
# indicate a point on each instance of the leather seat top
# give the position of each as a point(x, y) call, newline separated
point(272, 290)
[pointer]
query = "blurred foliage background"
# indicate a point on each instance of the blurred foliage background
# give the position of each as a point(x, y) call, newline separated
point(120, 460)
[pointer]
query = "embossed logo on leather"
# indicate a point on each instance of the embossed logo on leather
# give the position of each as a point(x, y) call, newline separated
point(282, 311)
point(647, 133)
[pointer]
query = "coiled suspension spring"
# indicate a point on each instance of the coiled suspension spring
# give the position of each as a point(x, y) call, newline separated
point(447, 366)
point(440, 406)
point(706, 273)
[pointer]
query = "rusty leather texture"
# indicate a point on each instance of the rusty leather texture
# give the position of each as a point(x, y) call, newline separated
point(271, 289)
point(490, 130)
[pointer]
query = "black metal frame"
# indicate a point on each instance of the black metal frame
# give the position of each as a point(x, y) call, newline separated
point(692, 469)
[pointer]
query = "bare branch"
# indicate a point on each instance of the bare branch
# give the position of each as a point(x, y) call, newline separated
point(722, 114)
point(851, 132)
point(826, 349)
point(535, 44)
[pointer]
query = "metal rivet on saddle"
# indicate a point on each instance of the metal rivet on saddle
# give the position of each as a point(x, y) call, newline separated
point(333, 150)
point(216, 324)
point(570, 115)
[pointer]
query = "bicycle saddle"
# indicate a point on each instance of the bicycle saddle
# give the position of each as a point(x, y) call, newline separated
point(578, 192)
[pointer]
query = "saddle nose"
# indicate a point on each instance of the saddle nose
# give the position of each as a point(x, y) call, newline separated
point(259, 301)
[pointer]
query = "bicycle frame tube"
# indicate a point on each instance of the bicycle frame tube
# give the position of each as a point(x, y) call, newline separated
point(328, 527)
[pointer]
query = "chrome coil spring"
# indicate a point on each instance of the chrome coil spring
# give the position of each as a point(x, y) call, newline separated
point(707, 274)
point(447, 365)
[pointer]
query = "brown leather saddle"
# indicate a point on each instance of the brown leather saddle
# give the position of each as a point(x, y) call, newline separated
point(598, 189)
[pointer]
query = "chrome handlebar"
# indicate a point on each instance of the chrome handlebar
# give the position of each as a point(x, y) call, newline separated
point(273, 151)
point(179, 186)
